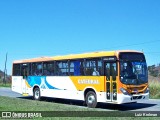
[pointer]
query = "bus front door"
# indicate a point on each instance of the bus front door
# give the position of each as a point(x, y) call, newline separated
point(110, 71)
point(24, 70)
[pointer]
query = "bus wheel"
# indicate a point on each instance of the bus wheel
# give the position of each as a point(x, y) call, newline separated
point(36, 94)
point(91, 99)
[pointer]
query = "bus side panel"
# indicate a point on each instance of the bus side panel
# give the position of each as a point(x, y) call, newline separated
point(76, 95)
point(74, 87)
point(17, 84)
point(67, 87)
point(83, 82)
point(58, 87)
point(61, 87)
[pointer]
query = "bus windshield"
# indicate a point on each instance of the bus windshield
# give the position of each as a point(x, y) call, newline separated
point(133, 69)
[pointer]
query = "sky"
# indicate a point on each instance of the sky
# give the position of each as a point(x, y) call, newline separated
point(35, 28)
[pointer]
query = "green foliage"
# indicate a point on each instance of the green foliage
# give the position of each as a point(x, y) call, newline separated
point(154, 88)
point(5, 85)
point(154, 70)
point(17, 104)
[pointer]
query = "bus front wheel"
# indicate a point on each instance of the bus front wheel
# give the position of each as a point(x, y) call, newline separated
point(36, 94)
point(91, 99)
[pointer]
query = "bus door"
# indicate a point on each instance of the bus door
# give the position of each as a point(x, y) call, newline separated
point(24, 73)
point(110, 72)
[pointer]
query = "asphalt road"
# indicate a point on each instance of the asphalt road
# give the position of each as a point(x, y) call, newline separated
point(8, 92)
point(148, 105)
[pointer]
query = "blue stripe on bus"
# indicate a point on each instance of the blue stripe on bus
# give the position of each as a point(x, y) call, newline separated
point(40, 81)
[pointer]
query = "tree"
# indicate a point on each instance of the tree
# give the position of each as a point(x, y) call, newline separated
point(153, 70)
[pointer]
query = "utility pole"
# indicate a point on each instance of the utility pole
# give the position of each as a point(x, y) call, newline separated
point(5, 70)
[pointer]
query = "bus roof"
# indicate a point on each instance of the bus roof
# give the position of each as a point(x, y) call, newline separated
point(75, 56)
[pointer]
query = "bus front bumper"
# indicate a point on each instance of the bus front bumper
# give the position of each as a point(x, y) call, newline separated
point(132, 98)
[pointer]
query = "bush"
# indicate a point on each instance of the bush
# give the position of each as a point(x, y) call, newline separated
point(154, 88)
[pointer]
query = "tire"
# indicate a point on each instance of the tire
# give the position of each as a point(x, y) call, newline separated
point(36, 94)
point(91, 99)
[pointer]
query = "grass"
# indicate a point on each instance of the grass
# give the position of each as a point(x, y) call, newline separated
point(17, 104)
point(5, 85)
point(154, 87)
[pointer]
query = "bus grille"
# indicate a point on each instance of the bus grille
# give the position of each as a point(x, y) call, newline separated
point(136, 97)
point(136, 90)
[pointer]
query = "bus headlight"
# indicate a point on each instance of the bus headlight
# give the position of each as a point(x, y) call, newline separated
point(124, 91)
point(147, 90)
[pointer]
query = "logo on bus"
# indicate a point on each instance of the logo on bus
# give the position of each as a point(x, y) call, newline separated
point(88, 81)
point(136, 91)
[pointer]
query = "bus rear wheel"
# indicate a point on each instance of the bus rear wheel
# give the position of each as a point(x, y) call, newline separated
point(36, 94)
point(91, 99)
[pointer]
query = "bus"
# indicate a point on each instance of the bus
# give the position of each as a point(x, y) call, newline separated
point(107, 76)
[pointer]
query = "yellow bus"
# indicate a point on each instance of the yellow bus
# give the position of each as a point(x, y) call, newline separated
point(108, 76)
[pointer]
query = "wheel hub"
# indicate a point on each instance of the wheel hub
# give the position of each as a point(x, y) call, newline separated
point(91, 99)
point(36, 94)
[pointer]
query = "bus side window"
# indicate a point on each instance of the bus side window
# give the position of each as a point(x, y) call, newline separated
point(71, 68)
point(33, 69)
point(45, 69)
point(88, 70)
point(99, 66)
point(16, 70)
point(39, 69)
point(24, 70)
point(56, 68)
point(51, 69)
point(76, 68)
point(82, 66)
point(48, 69)
point(93, 67)
point(36, 69)
point(62, 68)
point(29, 69)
